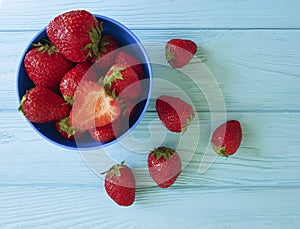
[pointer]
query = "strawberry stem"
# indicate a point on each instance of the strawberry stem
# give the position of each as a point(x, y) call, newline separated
point(219, 149)
point(95, 37)
point(48, 47)
point(162, 151)
point(65, 126)
point(169, 55)
point(114, 170)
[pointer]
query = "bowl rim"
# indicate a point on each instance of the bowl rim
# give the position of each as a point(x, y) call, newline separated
point(147, 63)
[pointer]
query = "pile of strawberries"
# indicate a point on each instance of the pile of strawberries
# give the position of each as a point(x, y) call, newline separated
point(85, 85)
point(82, 82)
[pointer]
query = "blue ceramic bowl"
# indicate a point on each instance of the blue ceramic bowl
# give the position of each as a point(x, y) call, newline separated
point(125, 39)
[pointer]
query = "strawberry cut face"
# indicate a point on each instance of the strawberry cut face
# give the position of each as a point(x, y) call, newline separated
point(93, 107)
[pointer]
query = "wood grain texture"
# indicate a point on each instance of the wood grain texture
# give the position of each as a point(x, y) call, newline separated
point(247, 65)
point(175, 14)
point(268, 156)
point(89, 207)
point(251, 49)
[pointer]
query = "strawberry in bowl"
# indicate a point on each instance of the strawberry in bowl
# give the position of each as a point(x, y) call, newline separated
point(56, 59)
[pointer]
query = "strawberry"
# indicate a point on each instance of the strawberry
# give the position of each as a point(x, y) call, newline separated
point(164, 166)
point(106, 133)
point(41, 105)
point(76, 34)
point(123, 82)
point(93, 107)
point(70, 81)
point(227, 138)
point(107, 52)
point(174, 113)
point(45, 66)
point(119, 184)
point(179, 52)
point(67, 131)
point(125, 59)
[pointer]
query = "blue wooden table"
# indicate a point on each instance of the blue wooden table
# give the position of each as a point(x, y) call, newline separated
point(252, 50)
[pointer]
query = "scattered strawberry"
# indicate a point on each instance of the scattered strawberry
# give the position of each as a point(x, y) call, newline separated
point(93, 107)
point(164, 166)
point(123, 82)
point(125, 59)
point(107, 52)
point(66, 130)
point(76, 34)
point(179, 52)
point(227, 138)
point(45, 66)
point(174, 113)
point(119, 184)
point(106, 133)
point(70, 81)
point(41, 105)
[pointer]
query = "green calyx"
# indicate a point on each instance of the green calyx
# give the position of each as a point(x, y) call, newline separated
point(69, 99)
point(169, 55)
point(113, 76)
point(66, 127)
point(162, 151)
point(20, 108)
point(95, 36)
point(115, 170)
point(47, 47)
point(219, 149)
point(187, 123)
point(103, 43)
point(106, 87)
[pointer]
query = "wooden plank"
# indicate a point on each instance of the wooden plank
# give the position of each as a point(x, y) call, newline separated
point(90, 207)
point(27, 15)
point(255, 70)
point(268, 155)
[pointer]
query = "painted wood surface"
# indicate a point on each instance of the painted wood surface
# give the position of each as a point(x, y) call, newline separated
point(252, 50)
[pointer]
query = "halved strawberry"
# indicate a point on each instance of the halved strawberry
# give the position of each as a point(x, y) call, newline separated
point(93, 107)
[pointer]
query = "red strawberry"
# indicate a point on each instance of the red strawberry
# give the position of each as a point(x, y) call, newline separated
point(45, 66)
point(70, 81)
point(107, 52)
point(106, 133)
point(227, 138)
point(164, 166)
point(179, 52)
point(174, 113)
point(76, 34)
point(93, 107)
point(43, 105)
point(66, 130)
point(125, 59)
point(123, 82)
point(120, 184)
